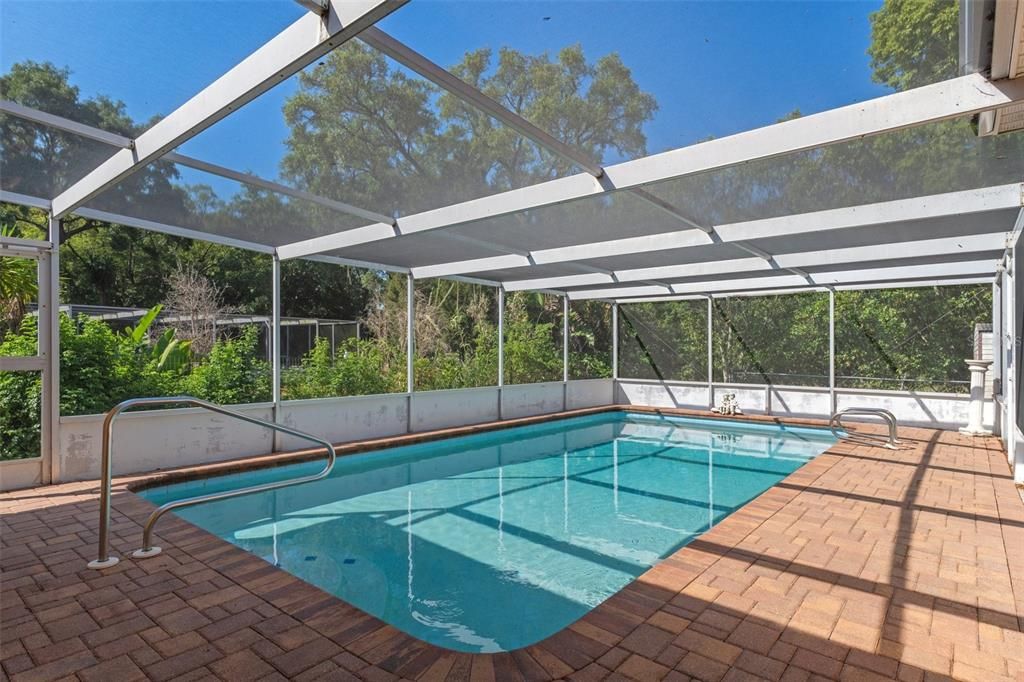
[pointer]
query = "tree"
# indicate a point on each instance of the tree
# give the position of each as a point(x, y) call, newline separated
point(366, 133)
point(914, 42)
point(195, 303)
point(18, 287)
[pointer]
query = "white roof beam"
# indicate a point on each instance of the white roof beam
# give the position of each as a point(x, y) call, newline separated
point(65, 124)
point(933, 272)
point(302, 43)
point(24, 200)
point(962, 203)
point(945, 246)
point(905, 284)
point(113, 139)
point(256, 181)
point(953, 98)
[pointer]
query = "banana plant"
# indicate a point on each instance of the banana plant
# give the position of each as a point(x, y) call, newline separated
point(168, 352)
point(171, 353)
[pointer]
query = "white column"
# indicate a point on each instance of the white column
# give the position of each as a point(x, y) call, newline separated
point(832, 350)
point(410, 345)
point(711, 357)
point(615, 342)
point(50, 407)
point(410, 333)
point(976, 409)
point(275, 342)
point(501, 347)
point(565, 352)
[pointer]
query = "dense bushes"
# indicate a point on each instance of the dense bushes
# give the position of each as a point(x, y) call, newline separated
point(99, 368)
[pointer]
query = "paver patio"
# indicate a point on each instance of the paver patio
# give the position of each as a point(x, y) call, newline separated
point(864, 564)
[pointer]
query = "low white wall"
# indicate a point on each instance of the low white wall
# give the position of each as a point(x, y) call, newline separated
point(345, 419)
point(159, 439)
point(164, 439)
point(528, 400)
point(20, 473)
point(443, 409)
point(937, 410)
point(590, 393)
point(661, 394)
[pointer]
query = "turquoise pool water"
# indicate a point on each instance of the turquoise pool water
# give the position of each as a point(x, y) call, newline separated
point(494, 541)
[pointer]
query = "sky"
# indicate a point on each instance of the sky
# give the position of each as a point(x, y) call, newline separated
point(715, 67)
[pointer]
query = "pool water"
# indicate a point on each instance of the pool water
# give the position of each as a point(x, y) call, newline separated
point(494, 541)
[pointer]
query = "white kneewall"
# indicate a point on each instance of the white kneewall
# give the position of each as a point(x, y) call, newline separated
point(936, 410)
point(590, 393)
point(159, 439)
point(529, 400)
point(21, 473)
point(344, 419)
point(152, 440)
point(458, 407)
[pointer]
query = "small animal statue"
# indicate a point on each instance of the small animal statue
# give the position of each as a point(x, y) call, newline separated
point(729, 405)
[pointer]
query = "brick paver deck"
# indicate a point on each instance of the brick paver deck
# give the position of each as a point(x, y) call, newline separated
point(865, 564)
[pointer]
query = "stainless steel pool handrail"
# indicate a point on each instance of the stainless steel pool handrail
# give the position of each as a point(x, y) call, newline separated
point(866, 438)
point(104, 560)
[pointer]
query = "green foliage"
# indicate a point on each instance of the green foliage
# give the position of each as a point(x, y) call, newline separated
point(18, 285)
point(914, 42)
point(903, 339)
point(357, 370)
point(232, 374)
point(100, 368)
point(533, 346)
point(663, 341)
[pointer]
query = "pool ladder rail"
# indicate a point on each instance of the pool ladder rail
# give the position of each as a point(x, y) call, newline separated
point(103, 559)
point(889, 442)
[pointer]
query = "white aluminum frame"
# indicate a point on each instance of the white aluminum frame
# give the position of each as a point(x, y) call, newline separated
point(953, 98)
point(284, 55)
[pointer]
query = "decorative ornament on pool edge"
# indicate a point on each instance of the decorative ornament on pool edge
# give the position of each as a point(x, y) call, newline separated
point(729, 405)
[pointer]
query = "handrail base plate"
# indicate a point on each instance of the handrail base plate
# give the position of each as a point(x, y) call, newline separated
point(97, 564)
point(146, 553)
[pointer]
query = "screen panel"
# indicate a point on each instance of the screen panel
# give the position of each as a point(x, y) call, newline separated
point(664, 341)
point(909, 339)
point(779, 340)
point(590, 340)
point(456, 335)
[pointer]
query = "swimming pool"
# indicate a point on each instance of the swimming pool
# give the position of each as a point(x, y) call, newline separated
point(494, 541)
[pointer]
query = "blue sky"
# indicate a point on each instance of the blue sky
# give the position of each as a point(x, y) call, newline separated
point(714, 67)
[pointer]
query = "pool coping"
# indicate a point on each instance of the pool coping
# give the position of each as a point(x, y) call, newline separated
point(143, 481)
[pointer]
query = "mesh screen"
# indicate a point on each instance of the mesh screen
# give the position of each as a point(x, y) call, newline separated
point(172, 195)
point(929, 159)
point(19, 301)
point(359, 128)
point(20, 400)
point(533, 338)
point(590, 340)
point(663, 341)
point(909, 339)
point(367, 361)
point(772, 339)
point(456, 335)
point(589, 60)
point(42, 162)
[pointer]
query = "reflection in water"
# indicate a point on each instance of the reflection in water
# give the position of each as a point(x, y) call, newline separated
point(492, 542)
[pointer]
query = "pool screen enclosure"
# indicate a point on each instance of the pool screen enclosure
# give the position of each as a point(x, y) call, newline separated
point(726, 217)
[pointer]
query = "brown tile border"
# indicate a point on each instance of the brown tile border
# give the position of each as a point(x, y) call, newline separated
point(137, 482)
point(863, 564)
